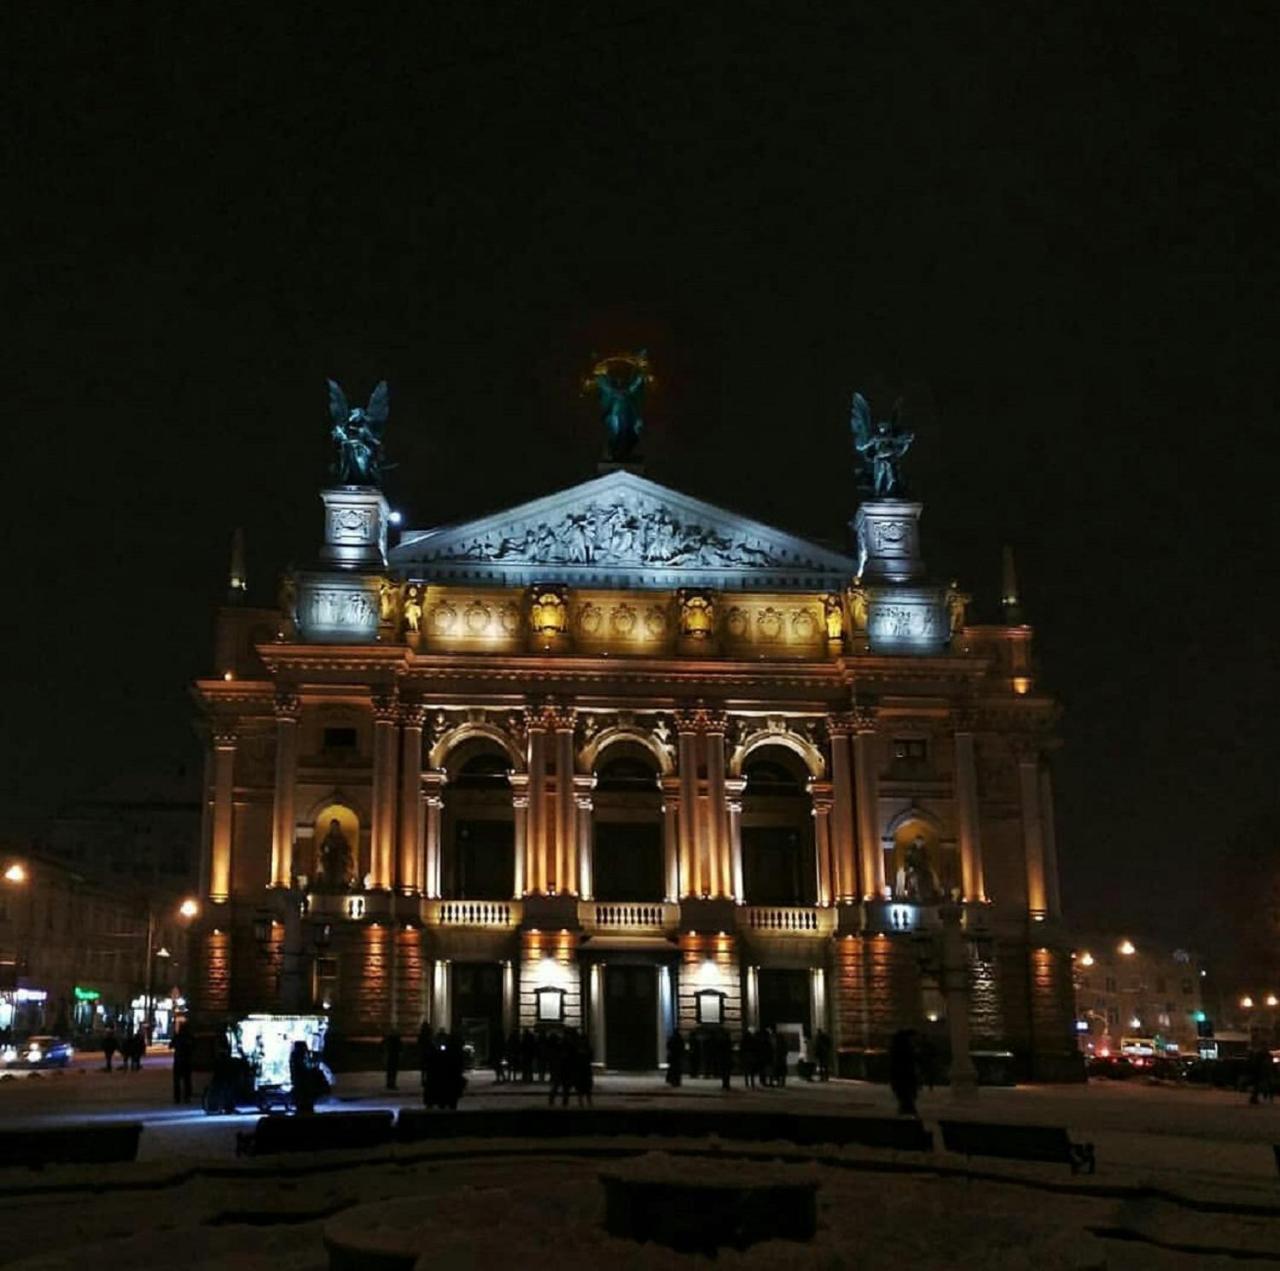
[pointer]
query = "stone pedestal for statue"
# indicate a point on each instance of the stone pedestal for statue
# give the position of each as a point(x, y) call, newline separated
point(338, 608)
point(355, 527)
point(887, 532)
point(905, 614)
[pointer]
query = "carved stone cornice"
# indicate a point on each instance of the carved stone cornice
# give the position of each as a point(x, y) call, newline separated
point(840, 724)
point(413, 714)
point(287, 707)
point(865, 719)
point(561, 719)
point(386, 708)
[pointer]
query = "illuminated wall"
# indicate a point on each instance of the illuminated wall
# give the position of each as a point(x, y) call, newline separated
point(708, 962)
point(548, 961)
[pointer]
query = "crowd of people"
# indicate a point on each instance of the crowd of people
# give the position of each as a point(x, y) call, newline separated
point(131, 1048)
point(762, 1057)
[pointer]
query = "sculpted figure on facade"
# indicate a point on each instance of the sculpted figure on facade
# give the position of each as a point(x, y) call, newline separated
point(548, 612)
point(388, 601)
point(619, 383)
point(335, 866)
point(833, 612)
point(358, 432)
point(956, 602)
point(859, 606)
point(631, 530)
point(412, 607)
point(697, 615)
point(917, 880)
point(880, 447)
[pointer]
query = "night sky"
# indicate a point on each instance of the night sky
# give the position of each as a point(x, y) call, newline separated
point(1051, 228)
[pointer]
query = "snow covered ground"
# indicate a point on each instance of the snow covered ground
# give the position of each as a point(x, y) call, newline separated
point(488, 1199)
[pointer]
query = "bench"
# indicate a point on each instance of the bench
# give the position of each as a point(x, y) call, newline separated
point(897, 1133)
point(1017, 1142)
point(71, 1144)
point(316, 1132)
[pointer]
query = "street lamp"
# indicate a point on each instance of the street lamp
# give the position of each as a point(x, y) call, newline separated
point(189, 908)
point(16, 873)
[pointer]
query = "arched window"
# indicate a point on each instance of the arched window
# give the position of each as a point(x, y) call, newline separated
point(778, 863)
point(478, 859)
point(627, 826)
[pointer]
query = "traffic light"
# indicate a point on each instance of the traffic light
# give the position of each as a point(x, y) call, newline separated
point(1204, 1025)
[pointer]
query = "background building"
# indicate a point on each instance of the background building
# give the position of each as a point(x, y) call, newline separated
point(1136, 988)
point(622, 760)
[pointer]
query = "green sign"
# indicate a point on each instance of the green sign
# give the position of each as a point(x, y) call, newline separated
point(86, 995)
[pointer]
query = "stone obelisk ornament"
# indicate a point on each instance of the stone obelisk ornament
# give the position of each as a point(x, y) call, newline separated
point(359, 432)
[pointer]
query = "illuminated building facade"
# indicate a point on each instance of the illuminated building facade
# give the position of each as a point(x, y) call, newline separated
point(623, 760)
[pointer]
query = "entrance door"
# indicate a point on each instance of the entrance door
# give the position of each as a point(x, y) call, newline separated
point(477, 1006)
point(784, 997)
point(631, 1017)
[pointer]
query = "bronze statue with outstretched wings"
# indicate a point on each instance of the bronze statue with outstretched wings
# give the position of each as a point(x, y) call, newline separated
point(359, 433)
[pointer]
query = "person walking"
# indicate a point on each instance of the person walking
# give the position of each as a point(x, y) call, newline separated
point(304, 1094)
point(109, 1046)
point(181, 1046)
point(780, 1058)
point(724, 1056)
point(904, 1080)
point(392, 1043)
point(528, 1054)
point(748, 1052)
point(822, 1053)
point(695, 1054)
point(675, 1059)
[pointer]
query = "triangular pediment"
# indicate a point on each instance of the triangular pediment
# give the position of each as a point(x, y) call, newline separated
point(620, 530)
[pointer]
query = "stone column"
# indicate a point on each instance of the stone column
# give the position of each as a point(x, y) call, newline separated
point(844, 872)
point(1050, 843)
point(536, 855)
point(582, 787)
point(566, 863)
point(411, 882)
point(691, 880)
point(433, 782)
point(520, 818)
point(734, 787)
point(282, 830)
point(1028, 755)
point(671, 836)
point(719, 871)
point(866, 763)
point(224, 763)
point(382, 836)
point(823, 801)
point(967, 824)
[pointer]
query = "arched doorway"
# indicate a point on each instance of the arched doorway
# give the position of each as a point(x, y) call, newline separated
point(478, 832)
point(627, 856)
point(778, 863)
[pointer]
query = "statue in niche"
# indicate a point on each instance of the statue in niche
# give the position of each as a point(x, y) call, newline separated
point(955, 602)
point(335, 865)
point(388, 600)
point(619, 382)
point(880, 448)
point(917, 879)
point(833, 612)
point(412, 607)
point(859, 605)
point(359, 433)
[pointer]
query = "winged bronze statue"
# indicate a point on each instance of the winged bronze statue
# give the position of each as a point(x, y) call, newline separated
point(880, 448)
point(359, 432)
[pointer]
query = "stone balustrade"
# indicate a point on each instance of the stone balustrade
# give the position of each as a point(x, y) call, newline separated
point(624, 918)
point(788, 920)
point(475, 913)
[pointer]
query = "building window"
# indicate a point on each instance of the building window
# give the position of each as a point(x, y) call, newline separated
point(910, 749)
point(339, 738)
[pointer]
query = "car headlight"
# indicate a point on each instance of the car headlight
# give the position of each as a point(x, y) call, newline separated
point(9, 1054)
point(34, 1054)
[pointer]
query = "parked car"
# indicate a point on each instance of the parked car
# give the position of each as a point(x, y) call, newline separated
point(1113, 1067)
point(38, 1052)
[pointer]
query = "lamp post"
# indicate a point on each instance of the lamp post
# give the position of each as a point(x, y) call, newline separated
point(187, 910)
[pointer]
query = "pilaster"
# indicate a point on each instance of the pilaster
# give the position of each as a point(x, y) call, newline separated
point(671, 857)
point(382, 833)
point(224, 762)
point(410, 881)
point(1027, 751)
point(967, 820)
point(734, 788)
point(282, 831)
point(582, 788)
point(867, 778)
point(820, 793)
point(843, 835)
point(520, 820)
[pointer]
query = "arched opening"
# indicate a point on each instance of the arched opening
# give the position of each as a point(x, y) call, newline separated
point(778, 864)
point(337, 862)
point(478, 832)
point(627, 826)
point(918, 865)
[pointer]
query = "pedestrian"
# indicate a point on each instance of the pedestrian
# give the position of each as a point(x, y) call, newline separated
point(780, 1058)
point(1260, 1075)
point(497, 1053)
point(695, 1054)
point(559, 1067)
point(724, 1056)
point(581, 1075)
point(748, 1052)
point(304, 1094)
point(675, 1059)
point(181, 1046)
point(904, 1080)
point(392, 1044)
point(528, 1053)
point(822, 1053)
point(109, 1046)
point(541, 1055)
point(138, 1049)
